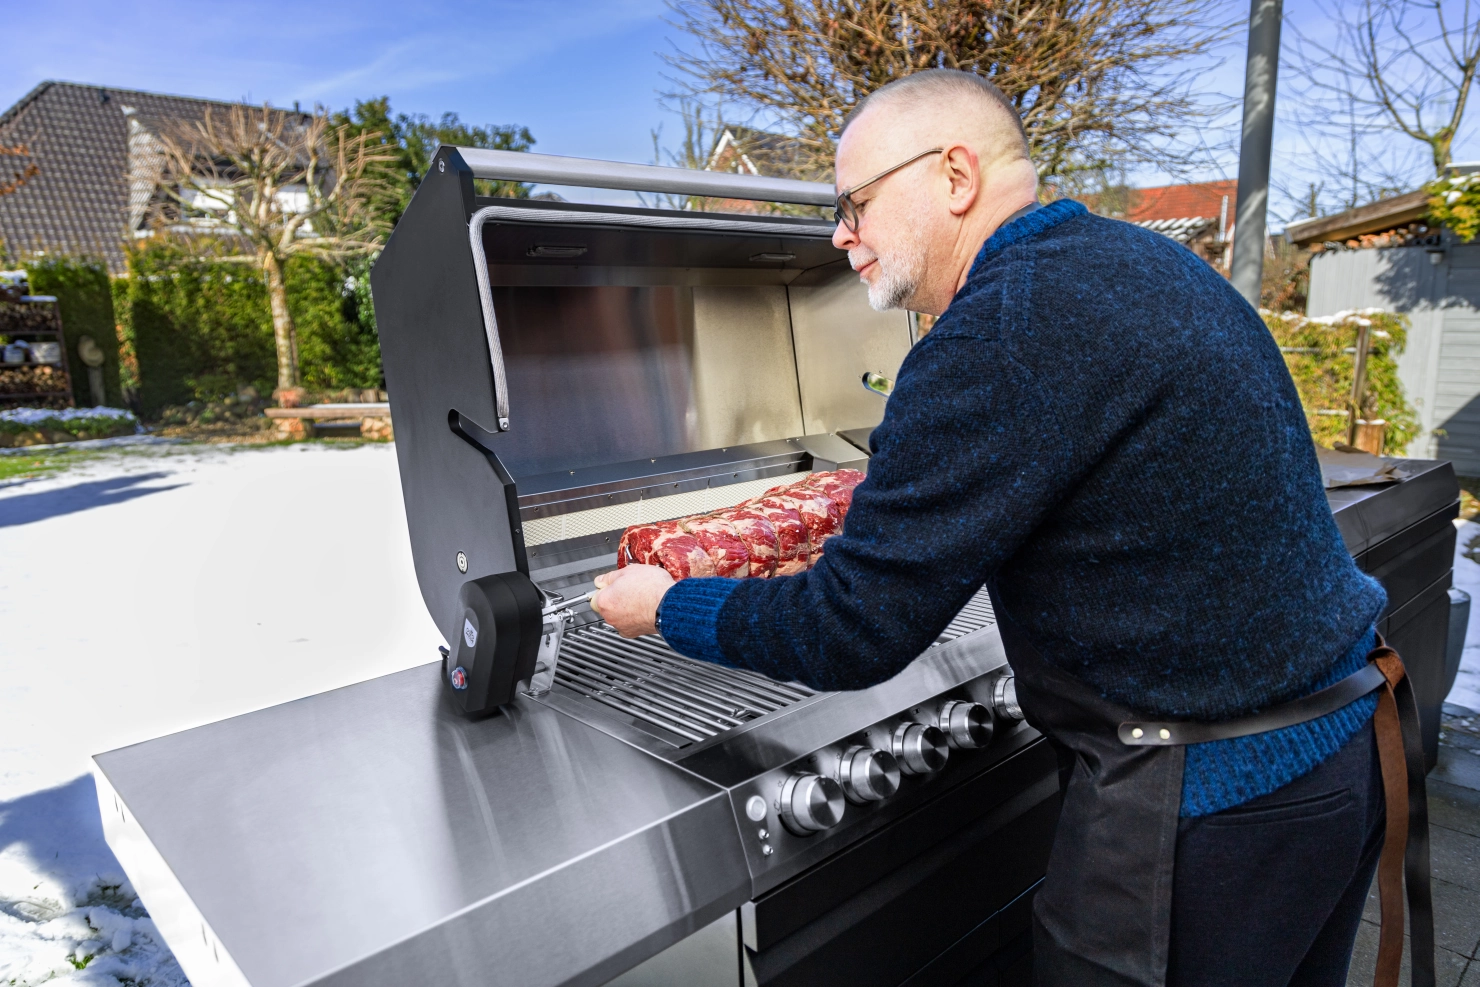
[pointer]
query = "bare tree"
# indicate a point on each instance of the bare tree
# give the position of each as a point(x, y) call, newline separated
point(1386, 69)
point(1097, 82)
point(281, 182)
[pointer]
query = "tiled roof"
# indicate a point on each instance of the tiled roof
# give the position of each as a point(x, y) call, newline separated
point(1201, 200)
point(78, 136)
point(1181, 230)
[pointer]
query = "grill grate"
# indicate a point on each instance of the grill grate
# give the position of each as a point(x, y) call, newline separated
point(645, 680)
point(691, 700)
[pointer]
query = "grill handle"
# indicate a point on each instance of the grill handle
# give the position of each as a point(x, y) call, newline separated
point(556, 169)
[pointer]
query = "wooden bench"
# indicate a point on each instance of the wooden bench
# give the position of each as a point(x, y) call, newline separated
point(298, 423)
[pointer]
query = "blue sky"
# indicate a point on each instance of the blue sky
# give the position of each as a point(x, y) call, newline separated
point(583, 75)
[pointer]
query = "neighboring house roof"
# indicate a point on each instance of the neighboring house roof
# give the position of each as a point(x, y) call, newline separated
point(98, 158)
point(1206, 200)
point(755, 152)
point(1181, 230)
point(1375, 217)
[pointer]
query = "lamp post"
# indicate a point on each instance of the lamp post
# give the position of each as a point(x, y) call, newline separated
point(1260, 74)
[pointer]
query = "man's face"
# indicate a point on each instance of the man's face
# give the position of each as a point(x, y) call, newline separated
point(890, 249)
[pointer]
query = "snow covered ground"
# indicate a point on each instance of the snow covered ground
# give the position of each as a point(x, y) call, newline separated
point(153, 589)
point(146, 591)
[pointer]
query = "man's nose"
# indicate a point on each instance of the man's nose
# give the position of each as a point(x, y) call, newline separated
point(844, 238)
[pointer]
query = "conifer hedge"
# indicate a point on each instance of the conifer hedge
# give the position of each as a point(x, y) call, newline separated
point(200, 328)
point(85, 301)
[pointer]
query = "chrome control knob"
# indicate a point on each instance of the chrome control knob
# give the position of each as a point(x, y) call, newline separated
point(966, 724)
point(1004, 699)
point(868, 775)
point(810, 803)
point(920, 749)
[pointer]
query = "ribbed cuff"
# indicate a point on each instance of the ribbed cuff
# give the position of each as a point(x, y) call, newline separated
point(689, 614)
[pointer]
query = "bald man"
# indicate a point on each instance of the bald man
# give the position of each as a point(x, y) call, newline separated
point(1102, 432)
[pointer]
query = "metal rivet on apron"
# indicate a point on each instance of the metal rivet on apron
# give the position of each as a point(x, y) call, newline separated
point(1166, 734)
point(1137, 732)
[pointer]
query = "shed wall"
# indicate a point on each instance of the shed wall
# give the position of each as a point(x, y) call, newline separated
point(1440, 368)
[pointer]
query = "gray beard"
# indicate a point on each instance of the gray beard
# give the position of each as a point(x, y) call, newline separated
point(900, 274)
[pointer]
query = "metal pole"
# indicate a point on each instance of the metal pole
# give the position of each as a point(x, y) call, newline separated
point(1260, 74)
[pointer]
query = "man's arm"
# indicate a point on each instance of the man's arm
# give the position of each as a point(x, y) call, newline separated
point(967, 462)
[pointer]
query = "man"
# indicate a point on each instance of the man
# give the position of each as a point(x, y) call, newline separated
point(1101, 431)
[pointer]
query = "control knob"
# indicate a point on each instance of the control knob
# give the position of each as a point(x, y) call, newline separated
point(868, 775)
point(810, 803)
point(920, 749)
point(966, 724)
point(1004, 699)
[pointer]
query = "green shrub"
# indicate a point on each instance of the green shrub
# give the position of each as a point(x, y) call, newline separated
point(85, 299)
point(1316, 351)
point(201, 328)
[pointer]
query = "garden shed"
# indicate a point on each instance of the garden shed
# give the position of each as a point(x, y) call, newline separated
point(1434, 279)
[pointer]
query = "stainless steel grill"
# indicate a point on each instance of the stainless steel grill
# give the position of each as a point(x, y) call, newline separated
point(973, 617)
point(646, 681)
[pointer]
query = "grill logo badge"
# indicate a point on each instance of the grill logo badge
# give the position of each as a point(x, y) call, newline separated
point(470, 633)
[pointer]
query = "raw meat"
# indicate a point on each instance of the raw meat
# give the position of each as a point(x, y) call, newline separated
point(759, 537)
point(677, 551)
point(636, 547)
point(819, 514)
point(792, 549)
point(837, 485)
point(723, 544)
point(779, 533)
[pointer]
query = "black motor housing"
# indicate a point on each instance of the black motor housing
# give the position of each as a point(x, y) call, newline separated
point(497, 641)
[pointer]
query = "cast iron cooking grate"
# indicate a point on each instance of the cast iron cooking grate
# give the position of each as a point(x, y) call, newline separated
point(643, 679)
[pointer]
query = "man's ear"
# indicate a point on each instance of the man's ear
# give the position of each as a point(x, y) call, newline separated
point(963, 173)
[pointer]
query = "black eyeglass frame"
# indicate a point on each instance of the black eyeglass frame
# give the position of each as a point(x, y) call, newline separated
point(845, 210)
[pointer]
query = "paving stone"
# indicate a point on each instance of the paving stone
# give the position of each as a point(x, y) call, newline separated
point(1472, 975)
point(1449, 966)
point(1455, 857)
point(1457, 766)
point(1456, 916)
point(1454, 807)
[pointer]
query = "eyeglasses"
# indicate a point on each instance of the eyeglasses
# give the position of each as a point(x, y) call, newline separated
point(845, 210)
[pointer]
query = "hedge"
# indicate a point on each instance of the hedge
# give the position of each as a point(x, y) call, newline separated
point(85, 299)
point(201, 329)
point(1316, 351)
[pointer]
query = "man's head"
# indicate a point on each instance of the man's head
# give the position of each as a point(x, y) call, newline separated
point(920, 227)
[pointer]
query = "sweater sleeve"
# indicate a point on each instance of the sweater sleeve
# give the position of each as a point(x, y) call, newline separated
point(967, 462)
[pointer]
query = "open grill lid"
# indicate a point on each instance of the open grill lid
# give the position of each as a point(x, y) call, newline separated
point(523, 340)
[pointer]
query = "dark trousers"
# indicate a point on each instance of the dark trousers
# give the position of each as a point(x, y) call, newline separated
point(1271, 892)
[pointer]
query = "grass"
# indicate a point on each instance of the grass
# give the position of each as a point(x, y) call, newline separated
point(22, 466)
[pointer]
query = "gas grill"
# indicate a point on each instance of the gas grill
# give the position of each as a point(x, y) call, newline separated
point(551, 803)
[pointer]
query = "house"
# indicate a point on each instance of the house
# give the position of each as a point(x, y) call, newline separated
point(1198, 215)
point(95, 157)
point(744, 150)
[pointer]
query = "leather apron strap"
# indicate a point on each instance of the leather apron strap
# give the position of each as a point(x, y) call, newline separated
point(1400, 757)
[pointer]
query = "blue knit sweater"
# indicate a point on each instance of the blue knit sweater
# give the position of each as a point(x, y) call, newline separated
point(1104, 433)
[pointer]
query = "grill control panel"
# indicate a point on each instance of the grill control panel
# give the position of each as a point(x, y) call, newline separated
point(798, 811)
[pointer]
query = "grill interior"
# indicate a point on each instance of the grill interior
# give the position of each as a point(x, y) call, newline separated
point(681, 701)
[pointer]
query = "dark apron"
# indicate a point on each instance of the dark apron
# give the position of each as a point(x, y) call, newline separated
point(1105, 909)
point(1103, 913)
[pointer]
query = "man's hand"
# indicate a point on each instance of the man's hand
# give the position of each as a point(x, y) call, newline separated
point(630, 596)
